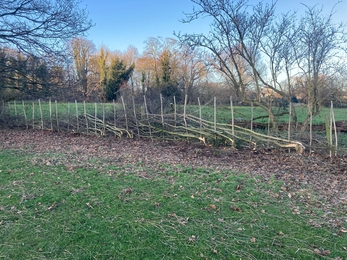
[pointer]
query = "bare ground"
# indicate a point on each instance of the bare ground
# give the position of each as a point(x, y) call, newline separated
point(302, 175)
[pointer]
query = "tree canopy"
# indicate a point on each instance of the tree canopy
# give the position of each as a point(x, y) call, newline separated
point(41, 26)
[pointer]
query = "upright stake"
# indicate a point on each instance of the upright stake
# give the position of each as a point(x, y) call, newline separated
point(135, 117)
point(215, 113)
point(95, 117)
point(185, 112)
point(334, 123)
point(146, 111)
point(252, 117)
point(41, 114)
point(114, 113)
point(175, 111)
point(50, 113)
point(310, 113)
point(68, 116)
point(232, 116)
point(25, 115)
point(78, 124)
point(33, 115)
point(56, 114)
point(103, 119)
point(289, 121)
point(85, 115)
point(125, 114)
point(161, 110)
point(15, 107)
point(200, 114)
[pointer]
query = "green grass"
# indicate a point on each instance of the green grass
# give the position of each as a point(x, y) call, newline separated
point(107, 211)
point(244, 112)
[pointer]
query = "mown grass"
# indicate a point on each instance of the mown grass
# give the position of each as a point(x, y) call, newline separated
point(109, 211)
point(245, 112)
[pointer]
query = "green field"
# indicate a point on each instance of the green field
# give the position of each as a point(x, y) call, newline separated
point(109, 211)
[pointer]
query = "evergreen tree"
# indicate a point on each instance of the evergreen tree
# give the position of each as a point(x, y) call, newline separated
point(119, 75)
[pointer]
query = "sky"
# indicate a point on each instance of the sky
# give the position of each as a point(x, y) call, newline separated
point(121, 23)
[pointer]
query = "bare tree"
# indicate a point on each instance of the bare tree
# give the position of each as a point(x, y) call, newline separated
point(41, 26)
point(82, 51)
point(321, 45)
point(235, 39)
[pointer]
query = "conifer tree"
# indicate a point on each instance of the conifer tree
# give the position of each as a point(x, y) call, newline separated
point(118, 76)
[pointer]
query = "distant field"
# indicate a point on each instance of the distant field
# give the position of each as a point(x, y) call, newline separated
point(244, 112)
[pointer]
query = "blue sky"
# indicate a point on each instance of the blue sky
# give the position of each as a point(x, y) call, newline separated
point(120, 23)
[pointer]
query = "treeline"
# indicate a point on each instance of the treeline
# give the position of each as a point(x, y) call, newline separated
point(251, 53)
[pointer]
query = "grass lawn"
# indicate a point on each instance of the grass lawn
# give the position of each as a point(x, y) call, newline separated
point(106, 211)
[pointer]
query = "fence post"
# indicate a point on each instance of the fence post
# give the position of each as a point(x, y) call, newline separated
point(175, 111)
point(50, 113)
point(95, 117)
point(200, 119)
point(232, 117)
point(41, 114)
point(56, 114)
point(310, 114)
point(25, 115)
point(68, 116)
point(85, 115)
point(161, 110)
point(125, 114)
point(78, 125)
point(289, 121)
point(114, 113)
point(214, 113)
point(103, 119)
point(252, 116)
point(33, 117)
point(136, 122)
point(15, 107)
point(185, 112)
point(146, 111)
point(334, 124)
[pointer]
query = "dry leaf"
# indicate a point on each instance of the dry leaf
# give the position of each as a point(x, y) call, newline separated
point(317, 251)
point(192, 239)
point(235, 209)
point(253, 239)
point(212, 206)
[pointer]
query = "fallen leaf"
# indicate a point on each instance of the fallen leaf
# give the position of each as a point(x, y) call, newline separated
point(317, 251)
point(212, 206)
point(235, 209)
point(253, 239)
point(192, 239)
